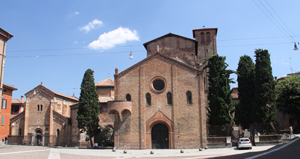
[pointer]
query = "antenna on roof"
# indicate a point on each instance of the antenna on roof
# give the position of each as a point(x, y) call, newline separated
point(108, 75)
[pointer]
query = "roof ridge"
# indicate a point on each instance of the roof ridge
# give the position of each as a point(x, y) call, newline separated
point(152, 56)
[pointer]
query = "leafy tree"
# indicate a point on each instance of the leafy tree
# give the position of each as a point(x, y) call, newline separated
point(244, 110)
point(288, 96)
point(264, 88)
point(88, 109)
point(220, 108)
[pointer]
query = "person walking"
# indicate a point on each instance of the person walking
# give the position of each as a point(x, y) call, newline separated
point(291, 130)
point(6, 140)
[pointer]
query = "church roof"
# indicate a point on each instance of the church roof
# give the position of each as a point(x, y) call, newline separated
point(105, 99)
point(9, 87)
point(106, 82)
point(167, 35)
point(17, 101)
point(55, 93)
point(158, 55)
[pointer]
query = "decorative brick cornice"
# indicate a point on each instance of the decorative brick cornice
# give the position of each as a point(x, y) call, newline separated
point(19, 116)
point(161, 57)
point(5, 35)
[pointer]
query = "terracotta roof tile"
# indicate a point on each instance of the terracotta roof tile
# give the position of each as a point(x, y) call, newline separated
point(106, 82)
point(17, 101)
point(9, 87)
point(105, 99)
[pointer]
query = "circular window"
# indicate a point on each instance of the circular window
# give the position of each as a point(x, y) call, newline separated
point(158, 84)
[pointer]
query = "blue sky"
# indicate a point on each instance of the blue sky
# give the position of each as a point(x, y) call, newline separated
point(57, 41)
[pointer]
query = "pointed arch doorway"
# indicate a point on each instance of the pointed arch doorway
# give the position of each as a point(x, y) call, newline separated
point(156, 131)
point(160, 136)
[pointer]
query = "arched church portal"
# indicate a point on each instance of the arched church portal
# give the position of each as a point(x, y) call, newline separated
point(38, 137)
point(160, 136)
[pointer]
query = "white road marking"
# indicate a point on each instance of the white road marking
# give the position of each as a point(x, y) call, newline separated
point(54, 154)
point(7, 153)
point(281, 147)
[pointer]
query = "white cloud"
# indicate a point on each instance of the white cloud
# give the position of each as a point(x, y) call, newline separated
point(76, 13)
point(92, 25)
point(75, 42)
point(112, 38)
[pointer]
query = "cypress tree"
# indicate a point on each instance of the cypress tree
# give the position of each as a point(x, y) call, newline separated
point(88, 109)
point(264, 88)
point(244, 110)
point(220, 107)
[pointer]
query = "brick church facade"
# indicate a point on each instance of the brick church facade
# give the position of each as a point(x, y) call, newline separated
point(160, 101)
point(157, 103)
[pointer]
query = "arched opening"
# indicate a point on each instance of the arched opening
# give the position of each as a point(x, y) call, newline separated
point(57, 132)
point(169, 98)
point(110, 136)
point(208, 37)
point(202, 37)
point(114, 115)
point(125, 114)
point(20, 132)
point(160, 136)
point(189, 97)
point(39, 137)
point(128, 97)
point(148, 99)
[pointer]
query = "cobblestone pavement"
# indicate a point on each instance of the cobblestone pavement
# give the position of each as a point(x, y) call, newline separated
point(37, 152)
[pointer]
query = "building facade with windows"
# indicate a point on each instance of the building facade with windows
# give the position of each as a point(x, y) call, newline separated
point(46, 119)
point(6, 110)
point(160, 101)
point(4, 37)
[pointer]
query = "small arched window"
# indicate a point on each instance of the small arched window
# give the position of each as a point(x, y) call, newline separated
point(169, 98)
point(202, 37)
point(20, 132)
point(208, 37)
point(128, 97)
point(38, 107)
point(148, 99)
point(189, 97)
point(41, 107)
point(57, 133)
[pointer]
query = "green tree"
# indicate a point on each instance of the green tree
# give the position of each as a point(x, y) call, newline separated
point(88, 109)
point(244, 110)
point(264, 88)
point(288, 96)
point(220, 107)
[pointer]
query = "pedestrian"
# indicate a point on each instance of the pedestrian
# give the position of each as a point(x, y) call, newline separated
point(3, 141)
point(291, 130)
point(6, 140)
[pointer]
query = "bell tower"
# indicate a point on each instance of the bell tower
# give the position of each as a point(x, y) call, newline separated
point(207, 44)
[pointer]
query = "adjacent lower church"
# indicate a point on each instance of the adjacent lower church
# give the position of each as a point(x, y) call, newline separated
point(158, 103)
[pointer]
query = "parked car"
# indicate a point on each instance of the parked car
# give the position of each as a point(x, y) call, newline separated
point(244, 143)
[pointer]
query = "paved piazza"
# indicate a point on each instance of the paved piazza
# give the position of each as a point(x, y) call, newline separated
point(36, 152)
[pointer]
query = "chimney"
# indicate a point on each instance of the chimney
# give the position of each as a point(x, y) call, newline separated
point(22, 98)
